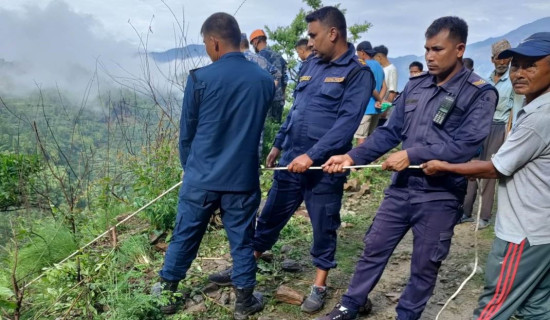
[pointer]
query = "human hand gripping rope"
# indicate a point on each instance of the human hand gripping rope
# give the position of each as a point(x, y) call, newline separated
point(108, 231)
point(371, 166)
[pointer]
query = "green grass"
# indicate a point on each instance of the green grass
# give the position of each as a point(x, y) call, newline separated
point(117, 281)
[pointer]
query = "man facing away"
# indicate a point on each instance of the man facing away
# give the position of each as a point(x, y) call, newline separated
point(370, 119)
point(468, 63)
point(267, 66)
point(445, 113)
point(258, 40)
point(390, 76)
point(517, 272)
point(224, 108)
point(329, 102)
point(259, 60)
point(508, 100)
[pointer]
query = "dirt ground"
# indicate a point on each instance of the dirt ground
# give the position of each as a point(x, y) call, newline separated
point(455, 269)
point(458, 265)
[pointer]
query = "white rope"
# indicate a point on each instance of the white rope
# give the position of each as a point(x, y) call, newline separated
point(374, 166)
point(104, 233)
point(378, 166)
point(475, 250)
point(156, 199)
point(143, 208)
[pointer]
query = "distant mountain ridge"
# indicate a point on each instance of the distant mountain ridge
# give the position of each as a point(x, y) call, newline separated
point(189, 51)
point(480, 51)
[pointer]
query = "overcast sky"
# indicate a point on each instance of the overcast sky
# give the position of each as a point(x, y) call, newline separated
point(62, 42)
point(399, 24)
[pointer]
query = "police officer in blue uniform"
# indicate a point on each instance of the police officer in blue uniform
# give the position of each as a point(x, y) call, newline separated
point(224, 109)
point(329, 102)
point(443, 114)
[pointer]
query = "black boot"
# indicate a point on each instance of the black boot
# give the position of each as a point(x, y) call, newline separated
point(222, 278)
point(170, 290)
point(248, 303)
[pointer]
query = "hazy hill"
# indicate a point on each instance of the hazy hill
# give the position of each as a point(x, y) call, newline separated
point(190, 51)
point(480, 51)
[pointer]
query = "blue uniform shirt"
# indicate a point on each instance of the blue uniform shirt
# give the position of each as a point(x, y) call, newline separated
point(327, 109)
point(278, 62)
point(303, 63)
point(263, 63)
point(412, 123)
point(219, 136)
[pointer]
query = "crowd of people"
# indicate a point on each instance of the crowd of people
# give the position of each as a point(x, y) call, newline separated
point(443, 118)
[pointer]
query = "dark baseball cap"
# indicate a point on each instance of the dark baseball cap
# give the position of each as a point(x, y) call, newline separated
point(536, 45)
point(366, 47)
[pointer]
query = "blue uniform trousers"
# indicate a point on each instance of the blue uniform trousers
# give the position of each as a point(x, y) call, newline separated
point(195, 208)
point(432, 225)
point(322, 194)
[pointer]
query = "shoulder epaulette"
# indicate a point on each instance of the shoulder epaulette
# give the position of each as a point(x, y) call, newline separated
point(361, 65)
point(477, 81)
point(420, 75)
point(192, 74)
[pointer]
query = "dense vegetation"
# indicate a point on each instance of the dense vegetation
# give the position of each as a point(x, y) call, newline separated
point(67, 169)
point(72, 167)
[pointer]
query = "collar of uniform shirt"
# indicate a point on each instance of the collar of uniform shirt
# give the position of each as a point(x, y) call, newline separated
point(343, 59)
point(231, 54)
point(449, 86)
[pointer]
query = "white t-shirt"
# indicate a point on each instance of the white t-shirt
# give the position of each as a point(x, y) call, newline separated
point(390, 76)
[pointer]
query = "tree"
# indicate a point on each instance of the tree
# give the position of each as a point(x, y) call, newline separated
point(16, 172)
point(286, 37)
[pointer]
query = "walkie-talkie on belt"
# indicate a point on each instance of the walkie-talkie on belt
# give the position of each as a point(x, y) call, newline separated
point(444, 109)
point(449, 103)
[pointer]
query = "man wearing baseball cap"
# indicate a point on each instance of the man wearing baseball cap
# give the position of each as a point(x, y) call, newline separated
point(258, 40)
point(508, 100)
point(517, 276)
point(372, 113)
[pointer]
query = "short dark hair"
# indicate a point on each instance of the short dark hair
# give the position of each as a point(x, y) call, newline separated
point(381, 49)
point(417, 64)
point(330, 17)
point(468, 63)
point(244, 43)
point(224, 26)
point(260, 39)
point(458, 28)
point(301, 42)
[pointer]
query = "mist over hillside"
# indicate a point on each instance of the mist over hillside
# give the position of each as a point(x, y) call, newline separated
point(56, 47)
